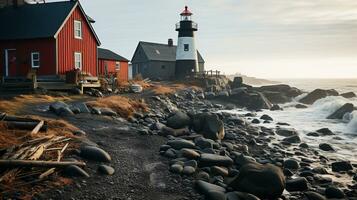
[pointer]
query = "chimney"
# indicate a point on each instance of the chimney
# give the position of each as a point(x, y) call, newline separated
point(170, 42)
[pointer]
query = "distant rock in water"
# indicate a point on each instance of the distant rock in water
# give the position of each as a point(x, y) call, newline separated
point(338, 114)
point(279, 93)
point(300, 106)
point(348, 95)
point(318, 94)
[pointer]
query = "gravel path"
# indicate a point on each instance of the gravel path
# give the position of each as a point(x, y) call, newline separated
point(141, 173)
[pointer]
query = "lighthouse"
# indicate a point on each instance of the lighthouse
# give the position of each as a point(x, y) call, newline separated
point(186, 53)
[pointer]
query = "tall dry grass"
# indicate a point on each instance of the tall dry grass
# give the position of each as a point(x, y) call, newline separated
point(124, 106)
point(14, 105)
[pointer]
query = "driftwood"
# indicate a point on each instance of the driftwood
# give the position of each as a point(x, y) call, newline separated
point(31, 163)
point(37, 128)
point(24, 125)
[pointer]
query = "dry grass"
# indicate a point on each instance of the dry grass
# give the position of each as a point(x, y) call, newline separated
point(124, 106)
point(172, 88)
point(14, 105)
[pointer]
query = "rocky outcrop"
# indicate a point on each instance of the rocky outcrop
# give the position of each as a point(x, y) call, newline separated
point(279, 93)
point(349, 95)
point(338, 114)
point(318, 94)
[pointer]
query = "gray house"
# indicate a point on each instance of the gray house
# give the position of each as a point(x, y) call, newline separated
point(157, 61)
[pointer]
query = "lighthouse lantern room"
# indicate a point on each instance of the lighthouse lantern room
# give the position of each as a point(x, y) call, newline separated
point(186, 53)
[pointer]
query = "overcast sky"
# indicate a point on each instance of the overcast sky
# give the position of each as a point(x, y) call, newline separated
point(262, 38)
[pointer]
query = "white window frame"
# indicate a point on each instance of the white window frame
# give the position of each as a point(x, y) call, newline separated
point(117, 66)
point(35, 60)
point(79, 23)
point(78, 61)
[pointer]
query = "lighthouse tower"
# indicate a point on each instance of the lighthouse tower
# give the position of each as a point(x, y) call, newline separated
point(186, 53)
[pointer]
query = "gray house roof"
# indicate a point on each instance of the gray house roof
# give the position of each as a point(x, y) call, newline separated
point(32, 21)
point(161, 52)
point(107, 54)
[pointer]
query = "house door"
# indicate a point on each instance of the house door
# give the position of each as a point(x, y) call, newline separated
point(11, 62)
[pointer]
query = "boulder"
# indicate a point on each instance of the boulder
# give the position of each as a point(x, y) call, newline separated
point(255, 121)
point(264, 181)
point(266, 117)
point(165, 131)
point(178, 120)
point(204, 143)
point(108, 112)
point(326, 147)
point(348, 95)
point(208, 160)
point(237, 82)
point(240, 196)
point(209, 125)
point(176, 168)
point(310, 195)
point(190, 153)
point(338, 114)
point(292, 139)
point(106, 170)
point(300, 106)
point(291, 164)
point(202, 175)
point(64, 111)
point(317, 94)
point(57, 106)
point(286, 132)
point(205, 188)
point(276, 97)
point(95, 154)
point(297, 184)
point(188, 170)
point(82, 107)
point(284, 89)
point(341, 166)
point(181, 143)
point(325, 131)
point(275, 107)
point(334, 193)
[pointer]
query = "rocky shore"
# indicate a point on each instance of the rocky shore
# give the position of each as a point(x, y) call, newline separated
point(189, 145)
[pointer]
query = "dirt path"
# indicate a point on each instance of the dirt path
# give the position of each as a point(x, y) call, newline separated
point(141, 173)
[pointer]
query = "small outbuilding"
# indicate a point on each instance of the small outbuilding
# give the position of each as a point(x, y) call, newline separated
point(110, 63)
point(158, 61)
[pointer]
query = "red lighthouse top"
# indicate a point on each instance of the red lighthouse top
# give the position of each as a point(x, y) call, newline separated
point(186, 12)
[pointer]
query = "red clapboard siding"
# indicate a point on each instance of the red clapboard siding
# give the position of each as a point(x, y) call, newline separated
point(68, 45)
point(24, 48)
point(123, 73)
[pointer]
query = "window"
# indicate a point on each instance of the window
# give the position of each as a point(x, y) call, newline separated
point(117, 66)
point(186, 47)
point(163, 67)
point(77, 29)
point(77, 60)
point(157, 52)
point(35, 59)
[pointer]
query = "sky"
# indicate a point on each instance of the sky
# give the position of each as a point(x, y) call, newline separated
point(260, 38)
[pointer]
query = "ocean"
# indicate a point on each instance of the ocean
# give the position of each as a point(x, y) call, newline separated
point(314, 117)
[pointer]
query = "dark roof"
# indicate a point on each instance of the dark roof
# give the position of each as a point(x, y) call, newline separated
point(109, 55)
point(162, 52)
point(31, 21)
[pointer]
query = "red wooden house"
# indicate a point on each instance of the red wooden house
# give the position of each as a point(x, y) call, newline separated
point(48, 38)
point(110, 63)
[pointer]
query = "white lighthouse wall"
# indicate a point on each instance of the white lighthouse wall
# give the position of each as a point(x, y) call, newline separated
point(181, 54)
